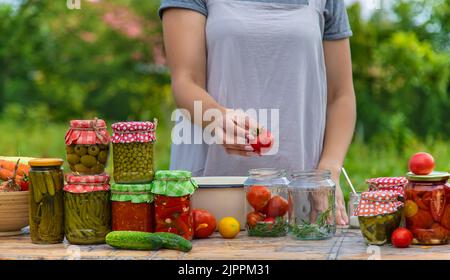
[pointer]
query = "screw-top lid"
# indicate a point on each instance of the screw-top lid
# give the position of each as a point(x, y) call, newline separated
point(46, 162)
point(130, 132)
point(88, 183)
point(435, 176)
point(87, 132)
point(377, 203)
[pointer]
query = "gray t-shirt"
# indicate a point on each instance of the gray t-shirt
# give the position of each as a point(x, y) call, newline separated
point(266, 55)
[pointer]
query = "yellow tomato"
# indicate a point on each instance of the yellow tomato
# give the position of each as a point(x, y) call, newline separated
point(411, 209)
point(229, 227)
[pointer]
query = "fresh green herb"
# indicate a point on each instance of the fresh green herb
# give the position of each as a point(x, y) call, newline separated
point(319, 230)
point(264, 229)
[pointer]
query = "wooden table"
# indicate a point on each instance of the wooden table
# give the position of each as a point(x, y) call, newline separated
point(348, 244)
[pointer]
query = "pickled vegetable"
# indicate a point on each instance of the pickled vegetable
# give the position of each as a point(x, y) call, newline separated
point(377, 230)
point(133, 162)
point(87, 217)
point(173, 214)
point(46, 206)
point(128, 216)
point(87, 159)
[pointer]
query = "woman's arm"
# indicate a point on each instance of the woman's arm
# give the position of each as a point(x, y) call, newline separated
point(341, 114)
point(185, 45)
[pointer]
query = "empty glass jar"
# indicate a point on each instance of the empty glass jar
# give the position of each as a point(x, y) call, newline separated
point(313, 210)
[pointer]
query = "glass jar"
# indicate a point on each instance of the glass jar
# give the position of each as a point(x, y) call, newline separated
point(87, 146)
point(379, 214)
point(132, 207)
point(353, 202)
point(172, 190)
point(133, 151)
point(87, 209)
point(313, 208)
point(46, 201)
point(267, 202)
point(427, 208)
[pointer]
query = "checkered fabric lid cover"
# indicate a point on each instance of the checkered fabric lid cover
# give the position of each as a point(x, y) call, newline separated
point(395, 184)
point(135, 193)
point(86, 184)
point(174, 183)
point(129, 132)
point(87, 132)
point(377, 203)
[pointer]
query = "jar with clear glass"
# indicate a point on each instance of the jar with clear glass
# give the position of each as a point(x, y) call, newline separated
point(267, 202)
point(353, 201)
point(313, 207)
point(427, 208)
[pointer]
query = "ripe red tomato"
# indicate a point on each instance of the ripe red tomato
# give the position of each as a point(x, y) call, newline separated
point(401, 238)
point(277, 207)
point(421, 164)
point(204, 223)
point(258, 196)
point(254, 217)
point(263, 141)
point(437, 203)
point(422, 220)
point(445, 221)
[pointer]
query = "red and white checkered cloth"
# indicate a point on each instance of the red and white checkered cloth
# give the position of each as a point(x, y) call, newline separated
point(87, 132)
point(86, 184)
point(395, 184)
point(377, 203)
point(129, 132)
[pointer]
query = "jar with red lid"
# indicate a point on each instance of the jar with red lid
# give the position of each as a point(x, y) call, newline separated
point(394, 184)
point(87, 146)
point(172, 190)
point(87, 209)
point(132, 207)
point(427, 208)
point(133, 151)
point(379, 214)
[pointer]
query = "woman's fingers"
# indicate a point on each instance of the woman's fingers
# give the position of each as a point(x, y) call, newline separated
point(341, 213)
point(240, 153)
point(245, 147)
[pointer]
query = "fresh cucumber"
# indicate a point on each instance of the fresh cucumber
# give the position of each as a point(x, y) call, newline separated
point(136, 240)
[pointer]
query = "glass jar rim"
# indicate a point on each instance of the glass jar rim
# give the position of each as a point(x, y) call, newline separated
point(318, 173)
point(267, 172)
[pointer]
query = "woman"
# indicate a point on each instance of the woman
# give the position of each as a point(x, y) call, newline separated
point(289, 55)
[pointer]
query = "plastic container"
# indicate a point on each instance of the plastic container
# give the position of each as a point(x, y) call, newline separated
point(132, 207)
point(46, 201)
point(266, 192)
point(172, 190)
point(379, 214)
point(313, 210)
point(133, 151)
point(87, 146)
point(87, 209)
point(427, 208)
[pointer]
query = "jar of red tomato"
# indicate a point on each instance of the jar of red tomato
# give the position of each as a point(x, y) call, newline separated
point(172, 190)
point(427, 208)
point(132, 207)
point(267, 202)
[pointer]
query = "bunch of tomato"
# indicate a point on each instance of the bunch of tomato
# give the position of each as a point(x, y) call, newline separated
point(267, 207)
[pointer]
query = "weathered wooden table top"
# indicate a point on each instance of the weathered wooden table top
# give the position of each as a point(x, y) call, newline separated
point(347, 244)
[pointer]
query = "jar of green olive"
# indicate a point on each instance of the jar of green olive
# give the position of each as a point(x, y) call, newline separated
point(46, 201)
point(87, 146)
point(133, 151)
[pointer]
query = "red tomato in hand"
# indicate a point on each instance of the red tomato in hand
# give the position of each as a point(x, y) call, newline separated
point(437, 203)
point(204, 223)
point(401, 238)
point(258, 196)
point(263, 141)
point(277, 207)
point(421, 164)
point(254, 217)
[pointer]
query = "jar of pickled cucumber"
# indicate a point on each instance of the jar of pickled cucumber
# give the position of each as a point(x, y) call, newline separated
point(46, 201)
point(172, 190)
point(379, 214)
point(87, 146)
point(313, 203)
point(427, 208)
point(133, 151)
point(87, 209)
point(267, 202)
point(395, 184)
point(132, 207)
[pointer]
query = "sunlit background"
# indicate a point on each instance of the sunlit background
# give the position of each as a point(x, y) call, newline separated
point(107, 60)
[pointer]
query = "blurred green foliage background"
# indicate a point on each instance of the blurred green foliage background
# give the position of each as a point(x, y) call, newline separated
point(107, 60)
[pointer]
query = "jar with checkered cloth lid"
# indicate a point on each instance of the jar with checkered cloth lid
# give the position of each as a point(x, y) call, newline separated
point(172, 190)
point(87, 209)
point(133, 151)
point(379, 214)
point(87, 146)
